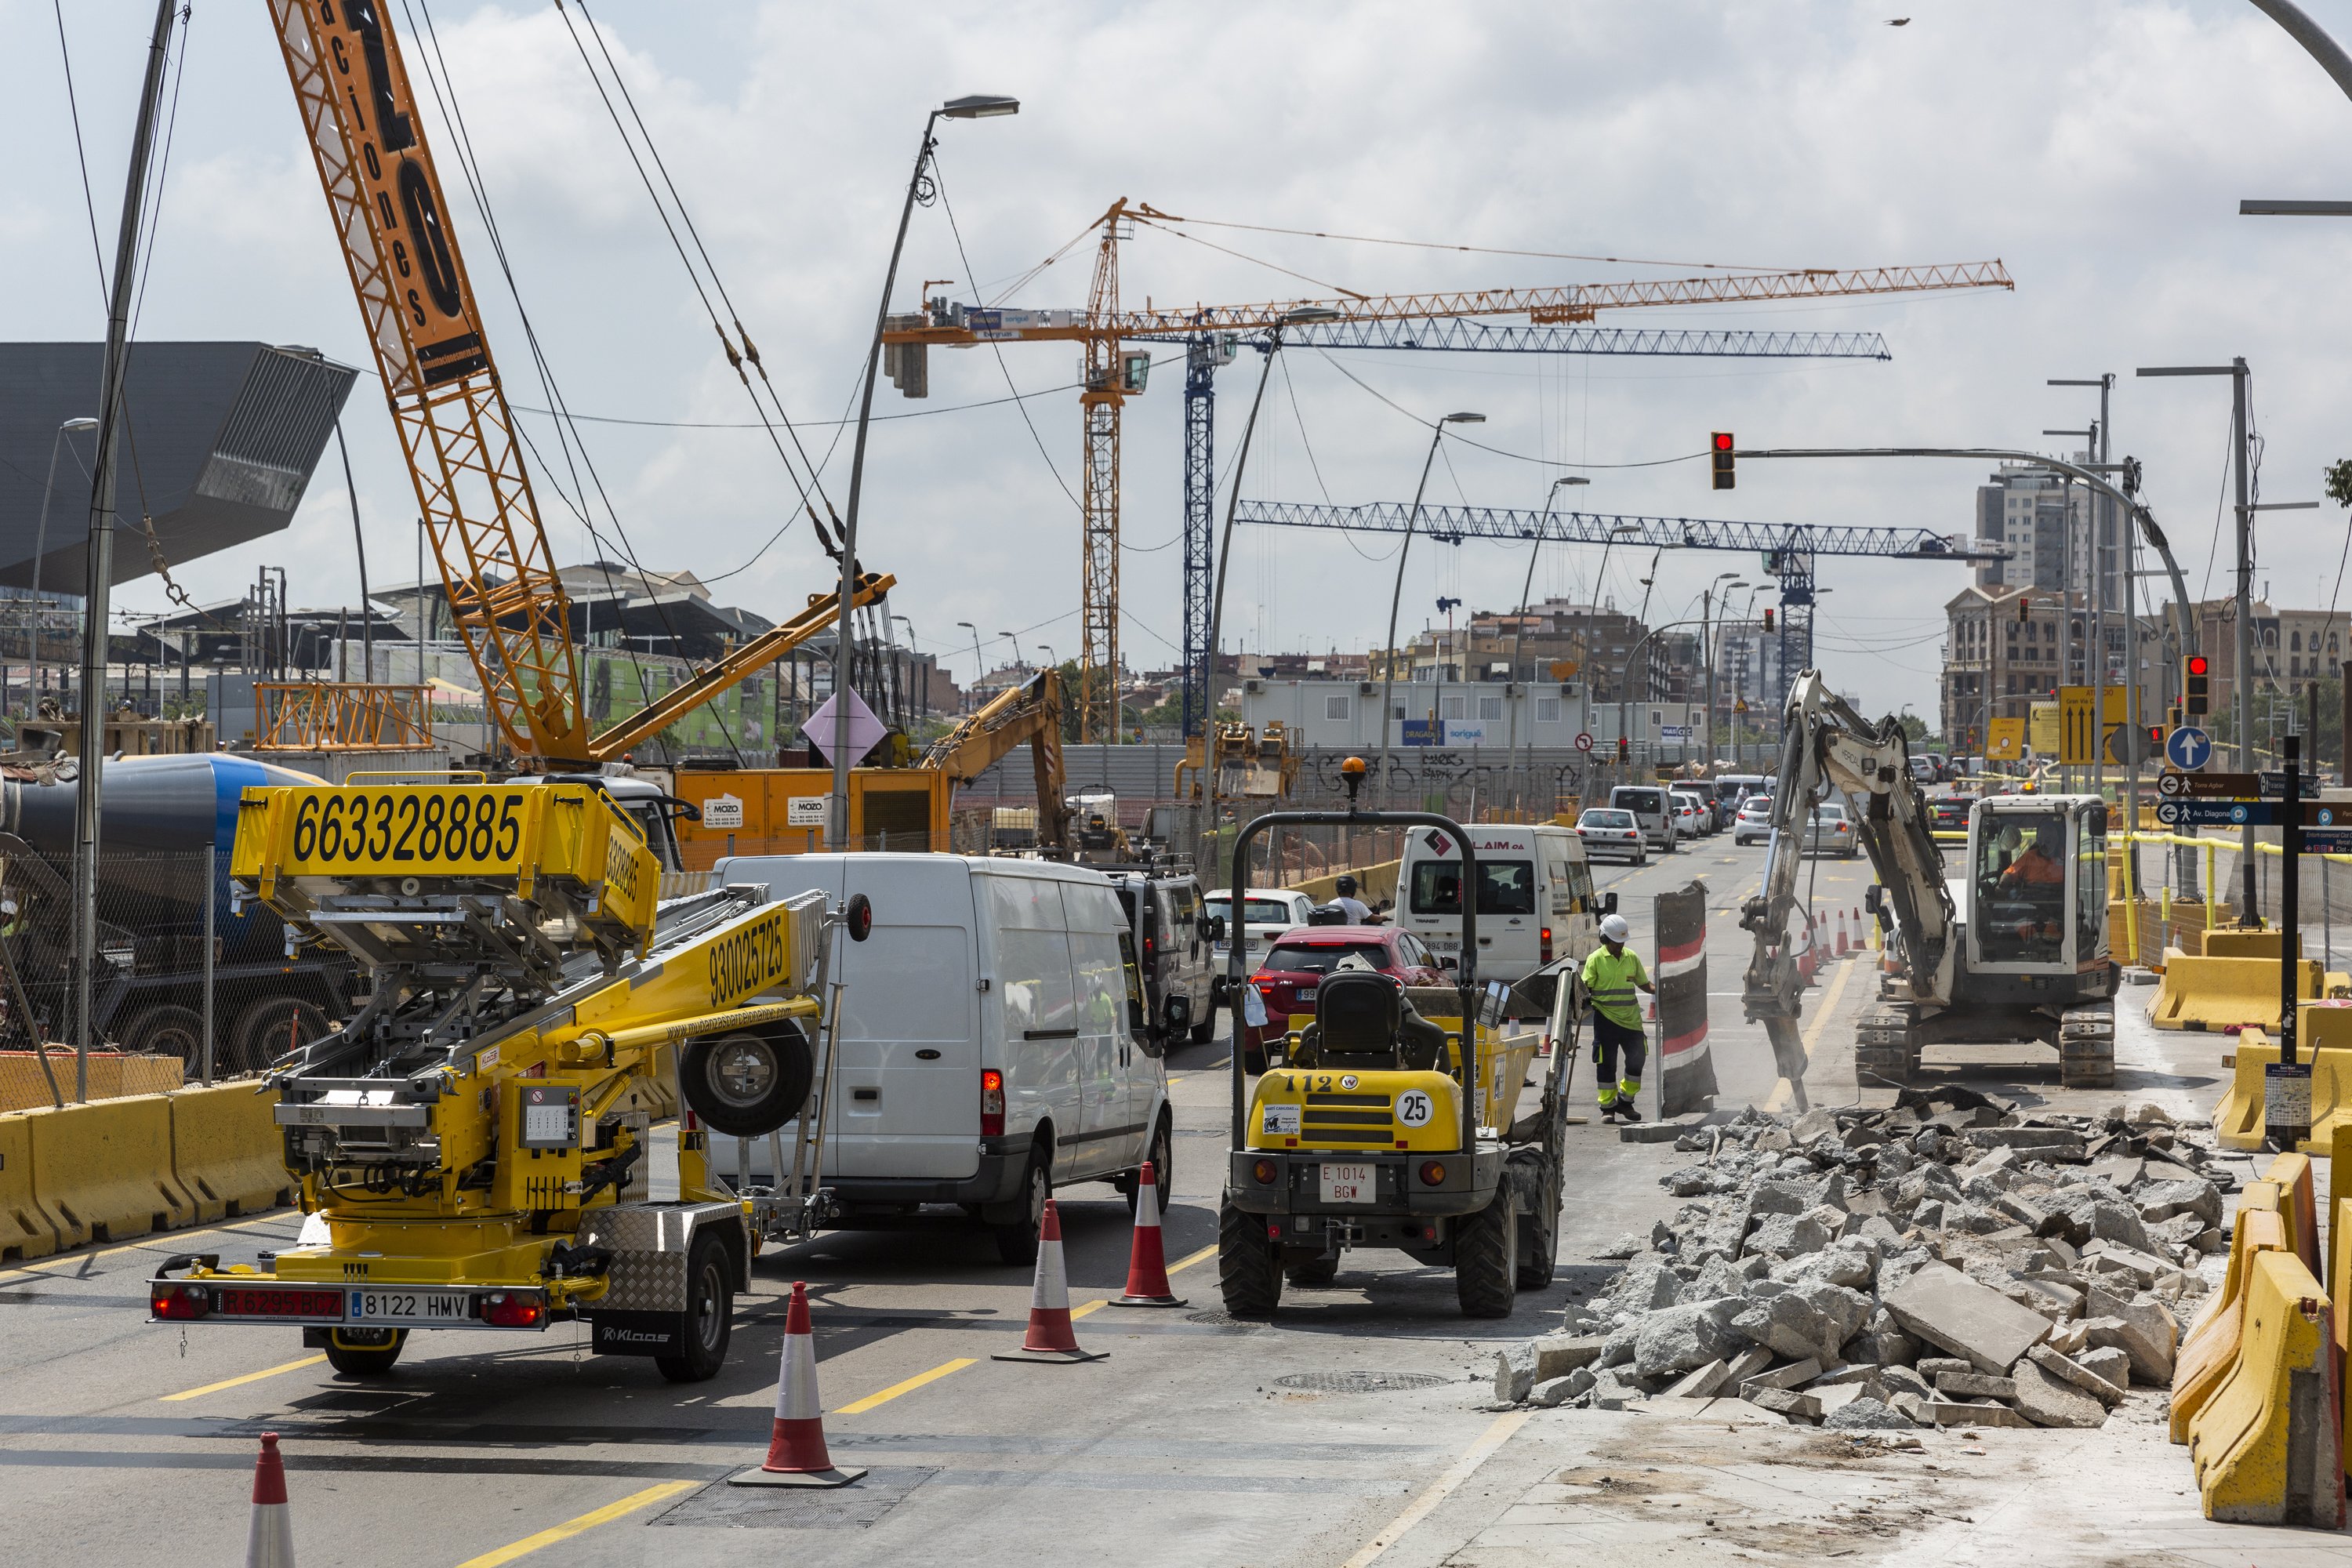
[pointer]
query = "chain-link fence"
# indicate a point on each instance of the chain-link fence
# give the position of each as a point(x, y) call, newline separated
point(175, 974)
point(2184, 884)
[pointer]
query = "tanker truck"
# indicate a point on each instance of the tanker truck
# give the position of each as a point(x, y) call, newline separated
point(167, 826)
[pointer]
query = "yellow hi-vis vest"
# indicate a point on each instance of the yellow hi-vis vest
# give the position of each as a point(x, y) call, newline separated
point(1611, 981)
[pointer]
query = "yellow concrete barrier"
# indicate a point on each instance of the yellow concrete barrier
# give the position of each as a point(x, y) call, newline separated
point(2267, 1446)
point(26, 1228)
point(103, 1171)
point(1373, 883)
point(2339, 1292)
point(2200, 992)
point(2245, 941)
point(2238, 1116)
point(2210, 1349)
point(2292, 1174)
point(227, 1154)
point(23, 1086)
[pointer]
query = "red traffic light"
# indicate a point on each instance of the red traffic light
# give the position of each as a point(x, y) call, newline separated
point(2197, 665)
point(1723, 440)
point(1768, 617)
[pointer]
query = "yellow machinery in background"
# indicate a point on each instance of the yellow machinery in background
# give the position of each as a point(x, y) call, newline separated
point(472, 1146)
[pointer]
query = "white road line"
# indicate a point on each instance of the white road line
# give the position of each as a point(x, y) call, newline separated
point(1494, 1438)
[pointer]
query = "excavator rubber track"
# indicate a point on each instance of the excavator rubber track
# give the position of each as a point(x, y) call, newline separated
point(2086, 1046)
point(1887, 1045)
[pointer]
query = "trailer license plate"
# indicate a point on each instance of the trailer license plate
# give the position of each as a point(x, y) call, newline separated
point(1351, 1185)
point(410, 1306)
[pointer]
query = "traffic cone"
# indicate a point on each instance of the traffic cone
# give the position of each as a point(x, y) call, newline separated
point(1841, 950)
point(270, 1539)
point(1050, 1336)
point(1147, 1264)
point(796, 1454)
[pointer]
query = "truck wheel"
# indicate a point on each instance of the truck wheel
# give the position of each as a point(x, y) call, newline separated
point(270, 1028)
point(1249, 1270)
point(709, 1314)
point(749, 1084)
point(1206, 1029)
point(1539, 1223)
point(1485, 1257)
point(1162, 1155)
point(1016, 1243)
point(364, 1360)
point(169, 1031)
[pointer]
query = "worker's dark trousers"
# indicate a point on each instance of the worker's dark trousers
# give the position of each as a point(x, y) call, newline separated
point(1619, 1051)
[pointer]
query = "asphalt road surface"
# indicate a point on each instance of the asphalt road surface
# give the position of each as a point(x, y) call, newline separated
point(1324, 1438)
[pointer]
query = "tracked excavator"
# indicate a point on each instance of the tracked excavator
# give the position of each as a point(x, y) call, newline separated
point(2027, 962)
point(1030, 714)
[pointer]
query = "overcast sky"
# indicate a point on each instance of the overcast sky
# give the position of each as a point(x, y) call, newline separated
point(2098, 147)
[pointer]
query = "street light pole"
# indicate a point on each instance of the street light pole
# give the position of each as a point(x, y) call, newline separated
point(1592, 626)
point(1707, 652)
point(980, 107)
point(41, 544)
point(978, 663)
point(1396, 597)
point(1519, 641)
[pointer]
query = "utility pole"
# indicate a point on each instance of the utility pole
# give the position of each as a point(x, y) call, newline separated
point(99, 580)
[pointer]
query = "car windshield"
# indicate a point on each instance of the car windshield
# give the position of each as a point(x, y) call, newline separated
point(1323, 957)
point(1828, 814)
point(1505, 887)
point(1640, 800)
point(1606, 819)
point(1255, 912)
point(2021, 877)
point(1754, 806)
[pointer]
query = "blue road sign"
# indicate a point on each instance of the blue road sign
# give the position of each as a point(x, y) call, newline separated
point(2327, 840)
point(2187, 748)
point(2216, 812)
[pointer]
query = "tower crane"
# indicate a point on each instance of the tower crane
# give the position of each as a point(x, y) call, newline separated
point(1114, 372)
point(457, 432)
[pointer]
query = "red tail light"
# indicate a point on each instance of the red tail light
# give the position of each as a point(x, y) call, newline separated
point(179, 1303)
point(513, 1310)
point(1545, 953)
point(1263, 1172)
point(1150, 945)
point(991, 1103)
point(1433, 1173)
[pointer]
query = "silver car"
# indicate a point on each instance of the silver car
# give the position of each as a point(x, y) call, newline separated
point(1831, 832)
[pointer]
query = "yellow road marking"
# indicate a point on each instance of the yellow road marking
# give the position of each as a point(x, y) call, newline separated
point(159, 1241)
point(1494, 1438)
point(1201, 1257)
point(585, 1522)
point(1097, 1305)
point(1779, 1096)
point(249, 1377)
point(912, 1383)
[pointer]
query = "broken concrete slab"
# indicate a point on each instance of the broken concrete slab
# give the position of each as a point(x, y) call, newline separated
point(1974, 1386)
point(1514, 1372)
point(2144, 1329)
point(2067, 1370)
point(1788, 1376)
point(1946, 1307)
point(1787, 1325)
point(2110, 1363)
point(1557, 1356)
point(1970, 1413)
point(1677, 1339)
point(1559, 1391)
point(1868, 1415)
point(1700, 1383)
point(1787, 1402)
point(2046, 1400)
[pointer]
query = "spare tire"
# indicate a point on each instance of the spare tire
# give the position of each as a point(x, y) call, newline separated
point(748, 1084)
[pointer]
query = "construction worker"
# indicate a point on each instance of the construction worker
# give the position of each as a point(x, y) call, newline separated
point(1612, 974)
point(1358, 911)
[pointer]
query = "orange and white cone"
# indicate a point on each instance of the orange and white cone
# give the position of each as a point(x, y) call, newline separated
point(796, 1452)
point(1147, 1263)
point(1841, 950)
point(270, 1539)
point(1050, 1336)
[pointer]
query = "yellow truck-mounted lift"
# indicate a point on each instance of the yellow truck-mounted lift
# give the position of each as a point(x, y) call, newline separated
point(471, 1147)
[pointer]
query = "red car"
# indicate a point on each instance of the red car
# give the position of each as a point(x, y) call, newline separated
point(1298, 961)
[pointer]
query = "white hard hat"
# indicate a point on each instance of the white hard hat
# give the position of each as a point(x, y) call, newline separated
point(1614, 928)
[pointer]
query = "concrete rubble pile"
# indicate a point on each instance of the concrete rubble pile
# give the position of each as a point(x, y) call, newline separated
point(1947, 1261)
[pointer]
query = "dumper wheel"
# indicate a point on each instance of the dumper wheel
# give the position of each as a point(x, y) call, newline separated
point(1249, 1270)
point(1487, 1256)
point(2086, 1046)
point(1886, 1051)
point(364, 1361)
point(1538, 1219)
point(709, 1314)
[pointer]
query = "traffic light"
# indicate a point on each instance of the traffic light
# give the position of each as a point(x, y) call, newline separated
point(1768, 617)
point(2196, 685)
point(1624, 750)
point(1724, 475)
point(2024, 608)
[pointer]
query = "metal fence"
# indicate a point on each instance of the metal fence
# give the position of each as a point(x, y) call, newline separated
point(2183, 883)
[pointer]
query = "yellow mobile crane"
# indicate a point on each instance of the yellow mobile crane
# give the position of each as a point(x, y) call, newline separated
point(472, 1146)
point(456, 429)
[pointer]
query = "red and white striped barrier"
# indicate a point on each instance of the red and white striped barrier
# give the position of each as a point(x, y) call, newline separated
point(796, 1451)
point(269, 1538)
point(1050, 1337)
point(1147, 1260)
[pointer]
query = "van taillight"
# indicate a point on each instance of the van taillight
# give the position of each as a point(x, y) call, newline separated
point(991, 1103)
point(1546, 953)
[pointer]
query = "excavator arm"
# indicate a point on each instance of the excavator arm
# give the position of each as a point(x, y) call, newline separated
point(1030, 712)
point(1829, 744)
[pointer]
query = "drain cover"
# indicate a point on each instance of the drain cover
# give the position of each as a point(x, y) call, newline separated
point(1359, 1382)
point(1222, 1321)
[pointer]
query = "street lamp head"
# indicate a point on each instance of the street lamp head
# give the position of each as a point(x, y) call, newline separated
point(1463, 419)
point(1727, 576)
point(80, 425)
point(968, 625)
point(1570, 480)
point(978, 106)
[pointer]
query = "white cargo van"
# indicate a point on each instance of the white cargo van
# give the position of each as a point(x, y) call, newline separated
point(1536, 901)
point(1654, 812)
point(993, 1042)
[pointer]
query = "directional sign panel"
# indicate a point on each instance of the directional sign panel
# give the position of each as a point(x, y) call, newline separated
point(2187, 747)
point(2209, 786)
point(2327, 840)
point(2214, 813)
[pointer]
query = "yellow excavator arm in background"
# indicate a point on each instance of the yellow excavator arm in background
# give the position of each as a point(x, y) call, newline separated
point(1030, 712)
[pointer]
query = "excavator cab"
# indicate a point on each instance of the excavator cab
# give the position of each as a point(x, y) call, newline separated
point(2037, 885)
